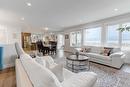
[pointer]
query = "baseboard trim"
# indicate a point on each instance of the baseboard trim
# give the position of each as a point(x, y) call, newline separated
point(8, 66)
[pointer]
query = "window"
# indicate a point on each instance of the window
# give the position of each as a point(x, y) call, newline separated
point(75, 38)
point(126, 36)
point(112, 35)
point(92, 36)
point(78, 41)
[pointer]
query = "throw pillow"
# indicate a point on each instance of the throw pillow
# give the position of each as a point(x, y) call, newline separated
point(107, 51)
point(49, 60)
point(82, 49)
point(58, 71)
point(40, 61)
point(87, 49)
point(111, 50)
point(55, 68)
point(25, 57)
point(40, 76)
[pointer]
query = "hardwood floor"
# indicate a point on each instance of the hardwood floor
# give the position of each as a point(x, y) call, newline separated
point(7, 78)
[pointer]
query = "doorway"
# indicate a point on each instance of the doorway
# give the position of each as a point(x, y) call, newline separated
point(60, 41)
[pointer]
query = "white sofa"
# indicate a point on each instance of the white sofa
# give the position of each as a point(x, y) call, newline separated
point(115, 59)
point(25, 79)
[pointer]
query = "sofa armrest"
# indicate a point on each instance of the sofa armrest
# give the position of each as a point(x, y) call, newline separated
point(117, 54)
point(83, 79)
point(117, 59)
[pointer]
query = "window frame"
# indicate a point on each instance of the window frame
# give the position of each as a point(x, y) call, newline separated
point(107, 43)
point(125, 44)
point(91, 42)
point(76, 41)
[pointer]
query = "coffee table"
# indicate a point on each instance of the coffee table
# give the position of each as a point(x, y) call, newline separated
point(78, 63)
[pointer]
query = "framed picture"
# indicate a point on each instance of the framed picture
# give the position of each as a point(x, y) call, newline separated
point(66, 36)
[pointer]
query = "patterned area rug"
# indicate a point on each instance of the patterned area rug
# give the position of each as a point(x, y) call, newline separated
point(110, 77)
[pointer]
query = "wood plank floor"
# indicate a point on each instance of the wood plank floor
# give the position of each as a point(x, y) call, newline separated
point(7, 78)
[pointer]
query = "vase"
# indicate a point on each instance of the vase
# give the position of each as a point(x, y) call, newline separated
point(77, 55)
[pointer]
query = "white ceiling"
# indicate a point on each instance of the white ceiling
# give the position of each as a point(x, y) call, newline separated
point(57, 14)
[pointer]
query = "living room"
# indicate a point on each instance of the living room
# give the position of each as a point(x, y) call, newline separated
point(71, 43)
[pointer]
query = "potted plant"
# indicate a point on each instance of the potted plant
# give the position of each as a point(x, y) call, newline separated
point(77, 54)
point(125, 28)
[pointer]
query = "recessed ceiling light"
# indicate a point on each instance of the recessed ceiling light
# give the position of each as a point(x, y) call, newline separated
point(22, 18)
point(46, 28)
point(29, 4)
point(116, 9)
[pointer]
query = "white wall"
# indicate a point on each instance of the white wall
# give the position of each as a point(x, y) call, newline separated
point(30, 29)
point(12, 35)
point(103, 23)
point(9, 55)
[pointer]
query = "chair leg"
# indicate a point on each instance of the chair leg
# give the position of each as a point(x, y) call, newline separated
point(43, 52)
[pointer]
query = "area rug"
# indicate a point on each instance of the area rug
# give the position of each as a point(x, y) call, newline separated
point(110, 77)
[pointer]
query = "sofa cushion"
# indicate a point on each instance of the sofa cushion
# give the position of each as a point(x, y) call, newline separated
point(83, 79)
point(57, 69)
point(86, 49)
point(49, 61)
point(25, 57)
point(116, 50)
point(40, 61)
point(94, 49)
point(51, 64)
point(98, 49)
point(39, 75)
point(106, 51)
point(98, 56)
